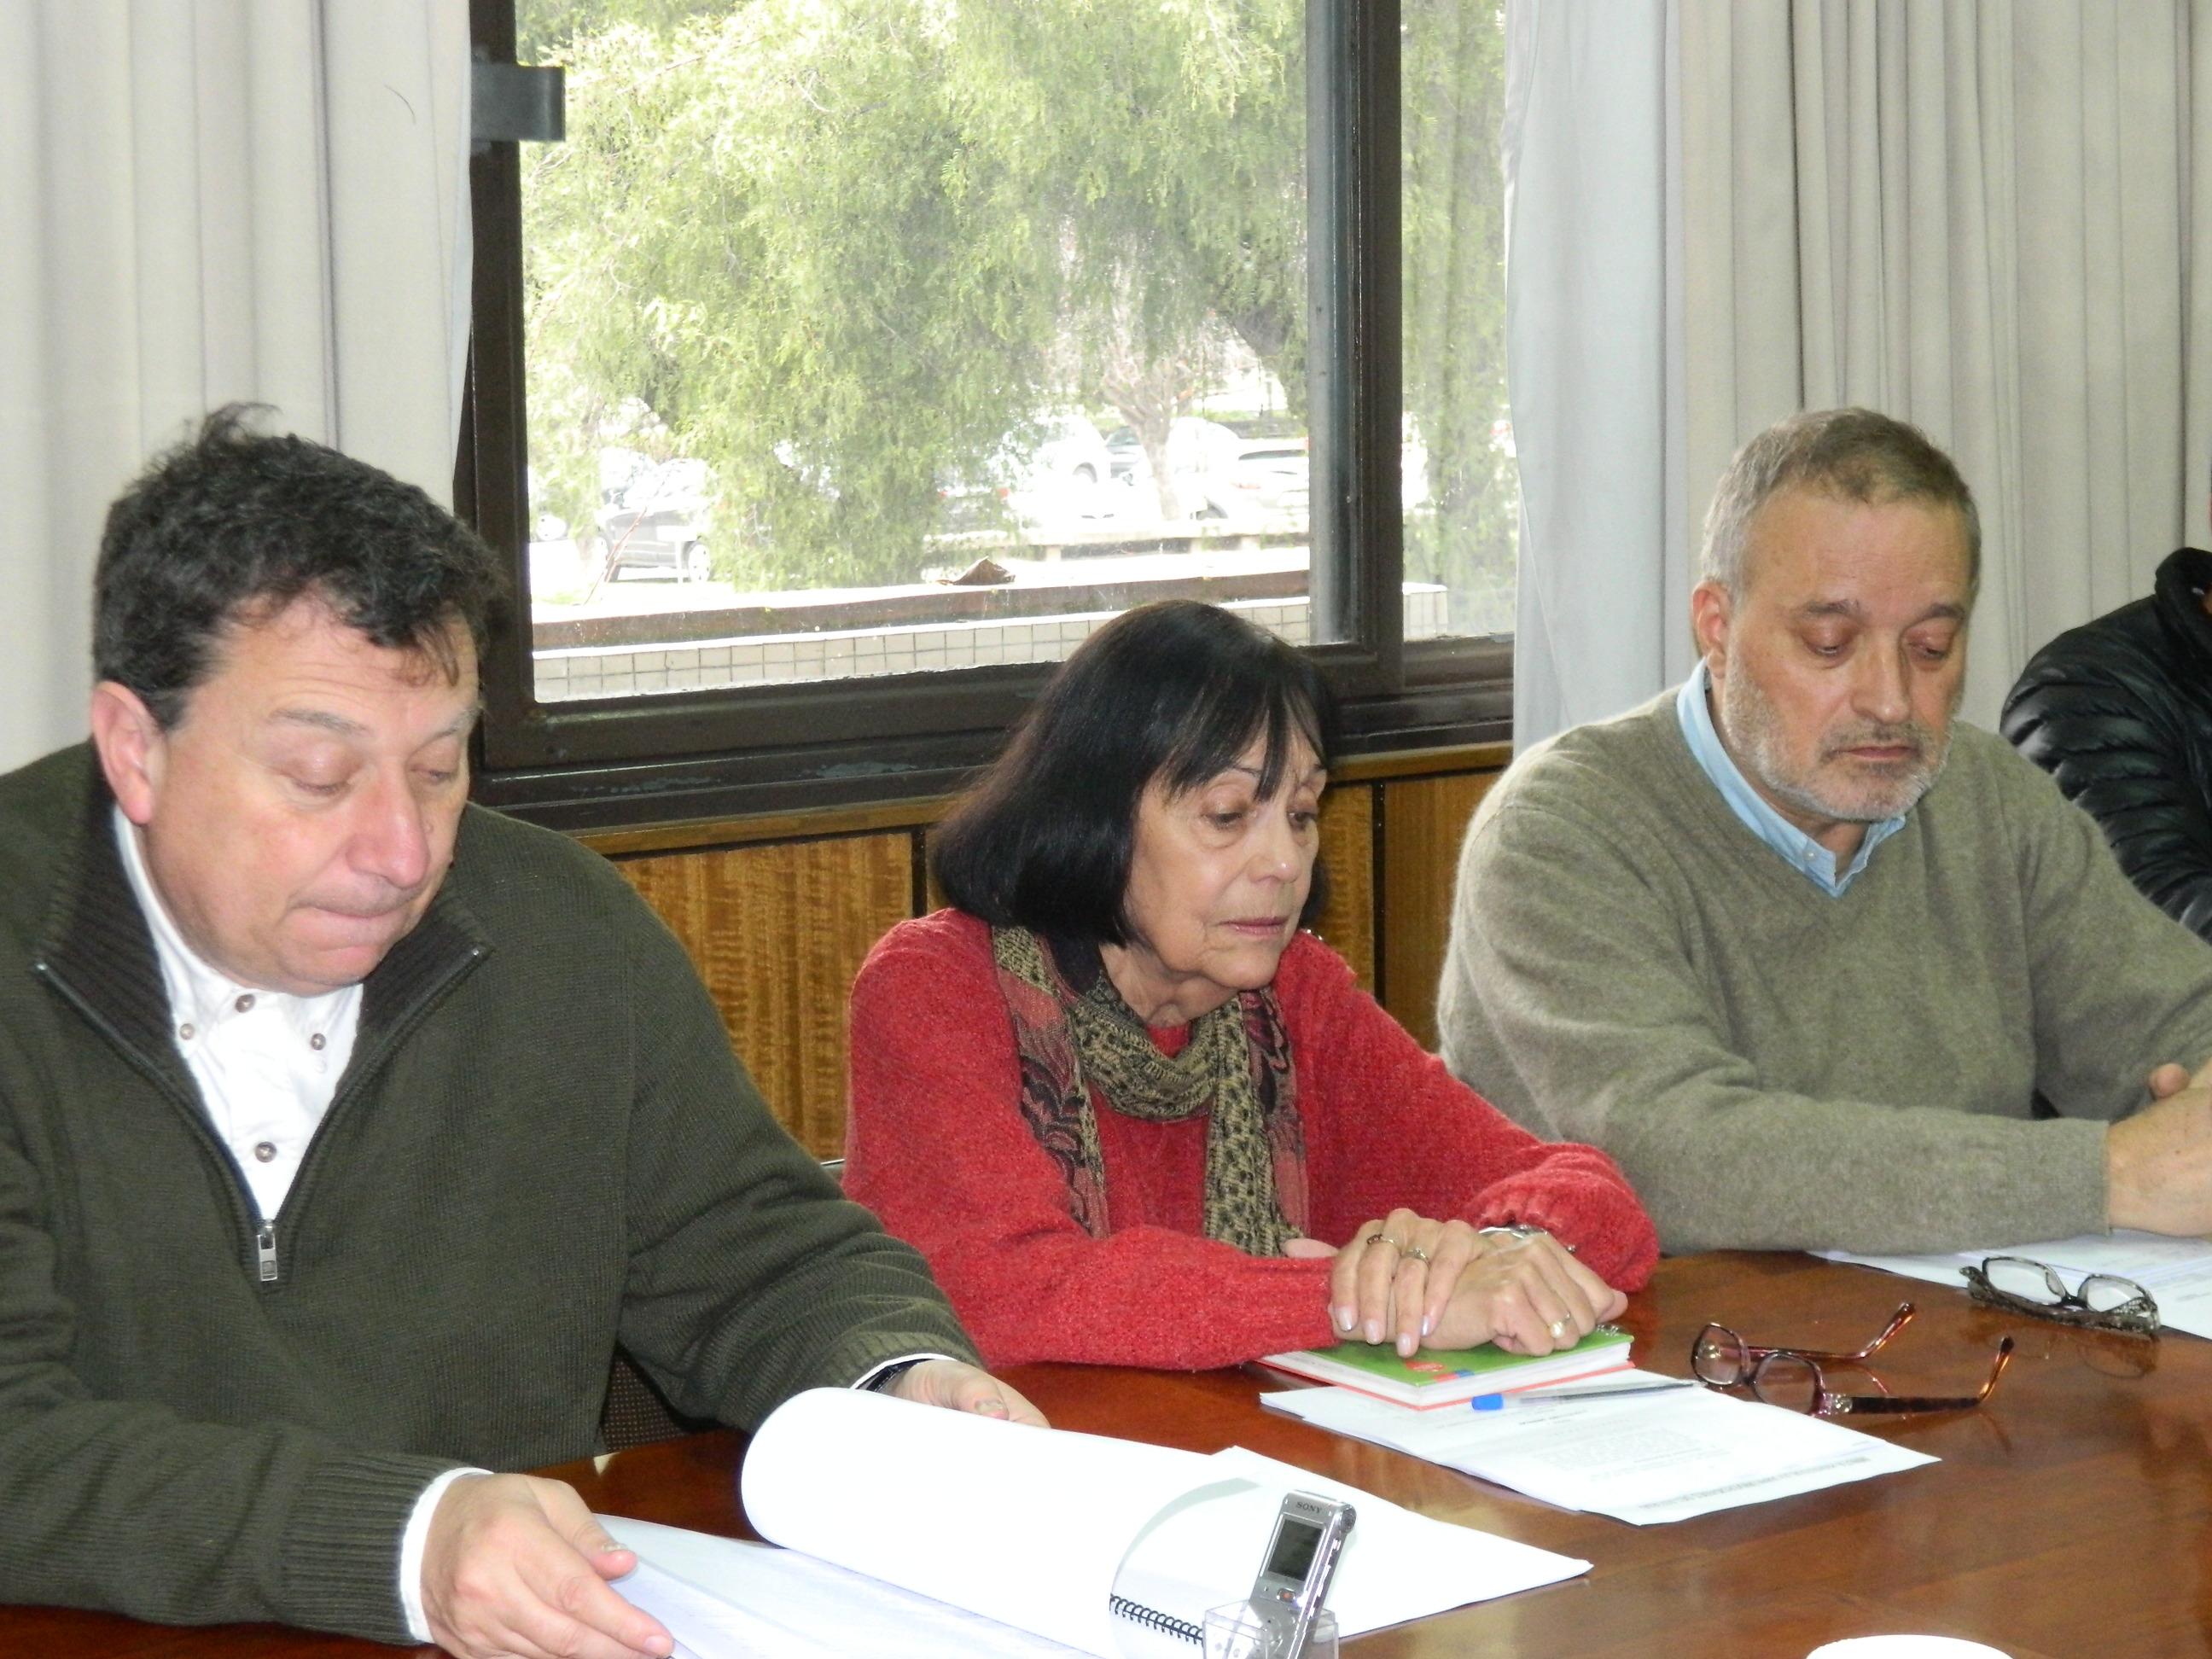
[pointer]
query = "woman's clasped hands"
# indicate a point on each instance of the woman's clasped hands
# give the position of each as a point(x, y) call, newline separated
point(1415, 1283)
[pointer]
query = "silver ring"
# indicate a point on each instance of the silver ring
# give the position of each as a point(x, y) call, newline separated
point(1562, 1330)
point(1384, 1238)
point(1414, 1252)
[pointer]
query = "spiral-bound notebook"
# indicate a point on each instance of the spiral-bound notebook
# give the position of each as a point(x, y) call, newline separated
point(1159, 1623)
point(968, 1536)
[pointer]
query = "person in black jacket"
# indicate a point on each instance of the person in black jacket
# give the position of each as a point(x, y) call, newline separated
point(2119, 710)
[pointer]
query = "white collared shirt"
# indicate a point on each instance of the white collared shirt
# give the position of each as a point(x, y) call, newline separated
point(267, 1063)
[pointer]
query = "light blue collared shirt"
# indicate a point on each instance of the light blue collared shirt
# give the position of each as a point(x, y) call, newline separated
point(1815, 862)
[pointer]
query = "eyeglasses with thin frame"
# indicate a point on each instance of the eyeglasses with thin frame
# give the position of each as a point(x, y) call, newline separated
point(1791, 1379)
point(2103, 1302)
point(1731, 1360)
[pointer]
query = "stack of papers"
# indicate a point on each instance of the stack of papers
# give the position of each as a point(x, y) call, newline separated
point(2177, 1271)
point(1646, 1458)
point(922, 1532)
point(723, 1598)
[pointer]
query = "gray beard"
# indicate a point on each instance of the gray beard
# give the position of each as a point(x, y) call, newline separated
point(1753, 733)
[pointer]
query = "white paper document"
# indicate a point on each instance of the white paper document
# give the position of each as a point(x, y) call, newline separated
point(1646, 1458)
point(2177, 1271)
point(963, 1535)
point(725, 1599)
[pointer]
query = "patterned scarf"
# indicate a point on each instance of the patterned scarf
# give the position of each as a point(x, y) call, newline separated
point(1236, 1069)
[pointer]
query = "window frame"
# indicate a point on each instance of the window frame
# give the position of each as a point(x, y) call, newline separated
point(666, 756)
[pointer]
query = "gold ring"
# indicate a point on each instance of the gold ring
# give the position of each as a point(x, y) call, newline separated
point(1562, 1331)
point(1384, 1238)
point(1415, 1253)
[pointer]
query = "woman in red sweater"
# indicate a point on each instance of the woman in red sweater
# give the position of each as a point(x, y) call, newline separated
point(1133, 1114)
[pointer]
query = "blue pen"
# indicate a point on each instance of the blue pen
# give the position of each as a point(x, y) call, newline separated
point(1493, 1402)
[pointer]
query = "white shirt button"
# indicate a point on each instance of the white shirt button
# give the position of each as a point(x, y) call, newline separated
point(316, 1043)
point(244, 1003)
point(265, 1151)
point(184, 1033)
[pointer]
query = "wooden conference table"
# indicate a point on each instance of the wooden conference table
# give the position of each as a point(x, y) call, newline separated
point(2068, 1516)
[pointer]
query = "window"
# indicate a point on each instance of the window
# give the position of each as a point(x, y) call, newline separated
point(852, 359)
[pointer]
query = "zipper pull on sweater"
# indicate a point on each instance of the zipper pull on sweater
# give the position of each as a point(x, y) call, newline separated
point(264, 1251)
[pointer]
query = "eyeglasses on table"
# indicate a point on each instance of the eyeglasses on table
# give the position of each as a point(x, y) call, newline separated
point(2103, 1302)
point(1792, 1379)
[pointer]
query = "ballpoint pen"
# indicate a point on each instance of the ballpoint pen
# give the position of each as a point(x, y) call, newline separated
point(1491, 1402)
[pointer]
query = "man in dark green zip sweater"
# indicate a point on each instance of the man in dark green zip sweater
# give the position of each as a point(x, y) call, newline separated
point(345, 1128)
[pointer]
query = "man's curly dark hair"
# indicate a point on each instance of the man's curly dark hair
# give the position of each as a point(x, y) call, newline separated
point(235, 525)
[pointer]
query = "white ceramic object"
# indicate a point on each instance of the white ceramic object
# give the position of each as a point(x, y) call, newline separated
point(1905, 1647)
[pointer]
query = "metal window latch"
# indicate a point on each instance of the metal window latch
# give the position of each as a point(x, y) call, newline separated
point(517, 103)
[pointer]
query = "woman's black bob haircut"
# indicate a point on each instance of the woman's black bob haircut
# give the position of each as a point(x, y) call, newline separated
point(1173, 692)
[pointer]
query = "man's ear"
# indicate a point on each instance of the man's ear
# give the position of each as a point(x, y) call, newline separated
point(1711, 611)
point(133, 749)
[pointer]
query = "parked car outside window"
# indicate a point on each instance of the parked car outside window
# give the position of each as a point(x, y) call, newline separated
point(1060, 474)
point(1218, 473)
point(652, 515)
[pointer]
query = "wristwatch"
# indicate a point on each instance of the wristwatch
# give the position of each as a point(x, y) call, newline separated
point(1522, 1230)
point(882, 1380)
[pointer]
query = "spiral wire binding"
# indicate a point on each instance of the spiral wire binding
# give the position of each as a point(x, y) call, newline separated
point(1152, 1619)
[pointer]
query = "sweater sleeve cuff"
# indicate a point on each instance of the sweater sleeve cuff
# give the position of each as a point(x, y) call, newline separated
point(343, 1540)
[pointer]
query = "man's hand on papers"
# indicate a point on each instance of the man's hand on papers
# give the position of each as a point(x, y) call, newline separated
point(961, 1388)
point(2158, 1163)
point(515, 1566)
point(1423, 1283)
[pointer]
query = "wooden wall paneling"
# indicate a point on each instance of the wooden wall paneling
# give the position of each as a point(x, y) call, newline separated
point(1347, 852)
point(1420, 824)
point(688, 835)
point(777, 932)
point(933, 895)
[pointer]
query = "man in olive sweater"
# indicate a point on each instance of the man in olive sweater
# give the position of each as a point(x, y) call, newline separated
point(1818, 967)
point(345, 1127)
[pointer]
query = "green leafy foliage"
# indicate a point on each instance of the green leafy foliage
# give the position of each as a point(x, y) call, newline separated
point(840, 249)
point(1454, 102)
point(772, 229)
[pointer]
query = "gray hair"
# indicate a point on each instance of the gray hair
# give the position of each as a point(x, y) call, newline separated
point(1854, 454)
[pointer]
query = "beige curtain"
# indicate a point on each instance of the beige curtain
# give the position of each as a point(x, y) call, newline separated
point(1978, 215)
point(211, 200)
point(1593, 358)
